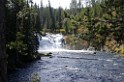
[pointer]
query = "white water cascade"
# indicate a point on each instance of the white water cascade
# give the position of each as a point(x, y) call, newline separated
point(51, 41)
point(56, 43)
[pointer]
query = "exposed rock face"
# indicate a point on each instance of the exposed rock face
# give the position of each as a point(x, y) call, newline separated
point(3, 57)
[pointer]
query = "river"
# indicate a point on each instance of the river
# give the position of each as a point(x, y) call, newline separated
point(71, 65)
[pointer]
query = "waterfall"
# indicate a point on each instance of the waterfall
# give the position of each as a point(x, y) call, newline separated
point(51, 41)
point(55, 43)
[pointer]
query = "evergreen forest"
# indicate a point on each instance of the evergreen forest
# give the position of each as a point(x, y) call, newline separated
point(97, 23)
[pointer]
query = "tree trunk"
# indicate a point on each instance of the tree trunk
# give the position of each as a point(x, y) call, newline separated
point(3, 57)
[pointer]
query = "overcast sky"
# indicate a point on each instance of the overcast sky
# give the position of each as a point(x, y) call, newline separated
point(55, 3)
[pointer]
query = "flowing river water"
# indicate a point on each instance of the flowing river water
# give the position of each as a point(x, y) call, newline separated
point(70, 65)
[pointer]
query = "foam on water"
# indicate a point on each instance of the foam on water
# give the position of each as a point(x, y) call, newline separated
point(65, 50)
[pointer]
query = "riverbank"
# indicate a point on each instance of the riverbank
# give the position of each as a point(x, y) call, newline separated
point(22, 63)
point(110, 45)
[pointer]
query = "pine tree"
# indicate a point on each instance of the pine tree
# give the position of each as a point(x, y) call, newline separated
point(73, 6)
point(80, 5)
point(53, 26)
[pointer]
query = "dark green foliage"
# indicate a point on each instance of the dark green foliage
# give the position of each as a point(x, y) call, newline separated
point(100, 19)
point(22, 29)
point(96, 22)
point(53, 23)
